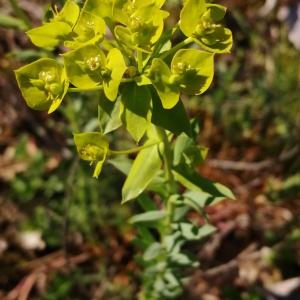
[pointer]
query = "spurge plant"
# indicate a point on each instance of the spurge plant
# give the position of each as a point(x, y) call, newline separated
point(122, 49)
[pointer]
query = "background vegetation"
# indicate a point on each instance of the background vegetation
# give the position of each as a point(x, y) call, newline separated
point(64, 235)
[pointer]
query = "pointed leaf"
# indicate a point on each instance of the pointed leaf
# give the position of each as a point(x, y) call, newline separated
point(136, 101)
point(198, 200)
point(98, 168)
point(152, 251)
point(188, 152)
point(190, 232)
point(109, 114)
point(121, 163)
point(195, 182)
point(144, 169)
point(148, 217)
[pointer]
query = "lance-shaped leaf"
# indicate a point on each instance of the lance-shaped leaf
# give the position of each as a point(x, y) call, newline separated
point(191, 232)
point(195, 70)
point(193, 181)
point(84, 66)
point(160, 75)
point(50, 34)
point(202, 22)
point(145, 167)
point(93, 147)
point(135, 116)
point(115, 68)
point(109, 114)
point(149, 217)
point(88, 29)
point(43, 84)
point(188, 152)
point(199, 200)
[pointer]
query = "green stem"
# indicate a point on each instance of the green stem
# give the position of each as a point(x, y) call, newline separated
point(20, 13)
point(140, 61)
point(96, 88)
point(80, 90)
point(171, 184)
point(180, 45)
point(132, 150)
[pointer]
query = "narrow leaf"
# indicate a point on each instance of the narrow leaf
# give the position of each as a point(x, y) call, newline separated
point(191, 232)
point(109, 114)
point(136, 101)
point(194, 181)
point(149, 216)
point(144, 169)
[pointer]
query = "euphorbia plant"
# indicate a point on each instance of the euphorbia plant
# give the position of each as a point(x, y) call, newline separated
point(121, 49)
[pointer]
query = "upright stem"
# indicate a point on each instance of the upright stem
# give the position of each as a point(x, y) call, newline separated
point(132, 150)
point(185, 42)
point(95, 88)
point(167, 155)
point(140, 61)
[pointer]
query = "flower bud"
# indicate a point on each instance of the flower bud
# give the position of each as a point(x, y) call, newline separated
point(55, 88)
point(93, 63)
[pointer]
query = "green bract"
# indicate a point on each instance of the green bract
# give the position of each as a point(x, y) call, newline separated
point(201, 21)
point(43, 84)
point(101, 8)
point(115, 67)
point(191, 72)
point(160, 75)
point(84, 66)
point(88, 29)
point(143, 21)
point(49, 35)
point(119, 50)
point(87, 67)
point(92, 146)
point(58, 29)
